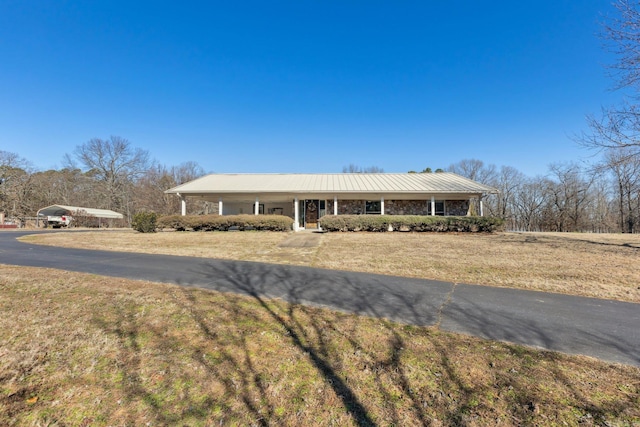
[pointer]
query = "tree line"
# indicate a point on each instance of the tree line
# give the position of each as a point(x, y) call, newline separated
point(601, 199)
point(605, 197)
point(102, 173)
point(112, 174)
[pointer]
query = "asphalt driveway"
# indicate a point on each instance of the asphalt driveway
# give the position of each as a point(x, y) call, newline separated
point(608, 330)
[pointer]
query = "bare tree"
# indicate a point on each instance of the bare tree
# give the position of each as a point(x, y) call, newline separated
point(115, 164)
point(626, 175)
point(615, 128)
point(528, 201)
point(148, 192)
point(65, 186)
point(601, 212)
point(474, 169)
point(619, 127)
point(359, 169)
point(569, 196)
point(15, 185)
point(622, 35)
point(508, 182)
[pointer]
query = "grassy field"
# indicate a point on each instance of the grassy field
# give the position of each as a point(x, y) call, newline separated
point(595, 265)
point(84, 350)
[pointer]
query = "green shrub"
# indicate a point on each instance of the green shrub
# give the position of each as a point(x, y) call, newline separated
point(418, 223)
point(226, 222)
point(207, 223)
point(177, 222)
point(270, 222)
point(145, 222)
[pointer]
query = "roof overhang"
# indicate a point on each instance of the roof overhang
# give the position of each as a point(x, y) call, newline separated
point(327, 186)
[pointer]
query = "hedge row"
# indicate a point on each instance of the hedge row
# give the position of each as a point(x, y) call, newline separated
point(410, 223)
point(226, 222)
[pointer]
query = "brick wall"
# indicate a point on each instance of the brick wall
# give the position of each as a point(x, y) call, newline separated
point(456, 207)
point(406, 207)
point(347, 207)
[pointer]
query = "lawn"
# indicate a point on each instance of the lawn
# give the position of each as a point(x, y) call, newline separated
point(81, 350)
point(595, 265)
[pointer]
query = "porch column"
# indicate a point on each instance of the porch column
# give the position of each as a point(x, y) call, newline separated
point(296, 214)
point(481, 206)
point(335, 205)
point(381, 205)
point(433, 205)
point(256, 209)
point(183, 205)
point(220, 206)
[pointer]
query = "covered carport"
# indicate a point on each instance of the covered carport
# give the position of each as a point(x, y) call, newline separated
point(103, 216)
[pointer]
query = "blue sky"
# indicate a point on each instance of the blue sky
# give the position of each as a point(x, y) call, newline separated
point(305, 86)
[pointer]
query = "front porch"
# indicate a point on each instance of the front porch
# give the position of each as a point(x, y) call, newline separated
point(306, 210)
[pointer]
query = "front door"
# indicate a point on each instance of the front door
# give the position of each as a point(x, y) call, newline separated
point(310, 212)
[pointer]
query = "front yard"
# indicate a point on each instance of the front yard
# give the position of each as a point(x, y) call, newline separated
point(83, 350)
point(602, 266)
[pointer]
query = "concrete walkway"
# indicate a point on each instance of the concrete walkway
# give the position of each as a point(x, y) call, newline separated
point(605, 329)
point(302, 239)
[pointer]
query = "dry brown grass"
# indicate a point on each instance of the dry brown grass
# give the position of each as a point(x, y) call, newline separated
point(595, 265)
point(77, 349)
point(603, 266)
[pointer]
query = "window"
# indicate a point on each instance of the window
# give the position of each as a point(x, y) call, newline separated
point(322, 208)
point(372, 207)
point(439, 207)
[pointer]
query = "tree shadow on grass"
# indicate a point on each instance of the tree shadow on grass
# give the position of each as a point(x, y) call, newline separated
point(386, 393)
point(503, 327)
point(186, 402)
point(317, 352)
point(233, 365)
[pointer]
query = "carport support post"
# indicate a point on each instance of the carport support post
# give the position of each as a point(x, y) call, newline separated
point(220, 206)
point(296, 214)
point(335, 205)
point(256, 208)
point(433, 205)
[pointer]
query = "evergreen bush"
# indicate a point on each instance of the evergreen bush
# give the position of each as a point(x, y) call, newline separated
point(145, 222)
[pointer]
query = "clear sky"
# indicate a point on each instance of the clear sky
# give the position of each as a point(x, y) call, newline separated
point(305, 85)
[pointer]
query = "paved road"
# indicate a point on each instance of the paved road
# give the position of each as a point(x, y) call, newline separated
point(609, 330)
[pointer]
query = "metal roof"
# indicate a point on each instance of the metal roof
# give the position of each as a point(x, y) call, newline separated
point(59, 210)
point(339, 183)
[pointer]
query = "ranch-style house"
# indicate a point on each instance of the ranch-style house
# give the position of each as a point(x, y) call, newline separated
point(308, 197)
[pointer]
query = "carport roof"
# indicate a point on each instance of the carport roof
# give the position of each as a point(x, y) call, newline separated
point(407, 183)
point(58, 210)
